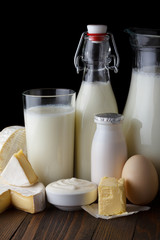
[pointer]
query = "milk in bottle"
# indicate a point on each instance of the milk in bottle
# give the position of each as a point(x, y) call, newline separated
point(109, 151)
point(95, 95)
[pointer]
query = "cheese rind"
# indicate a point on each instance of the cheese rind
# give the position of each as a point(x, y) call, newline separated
point(12, 139)
point(111, 196)
point(29, 199)
point(5, 198)
point(18, 171)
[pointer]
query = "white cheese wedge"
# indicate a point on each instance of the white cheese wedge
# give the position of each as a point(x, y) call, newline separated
point(18, 171)
point(29, 199)
point(12, 139)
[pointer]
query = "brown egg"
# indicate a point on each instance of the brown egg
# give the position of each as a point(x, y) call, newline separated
point(141, 180)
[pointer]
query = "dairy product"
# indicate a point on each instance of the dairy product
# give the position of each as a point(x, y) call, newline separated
point(12, 139)
point(109, 150)
point(72, 186)
point(71, 194)
point(5, 198)
point(18, 171)
point(50, 141)
point(142, 115)
point(111, 196)
point(29, 199)
point(93, 98)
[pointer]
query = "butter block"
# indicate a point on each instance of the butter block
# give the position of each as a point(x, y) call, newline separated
point(18, 171)
point(111, 196)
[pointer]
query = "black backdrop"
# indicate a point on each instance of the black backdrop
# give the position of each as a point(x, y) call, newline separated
point(39, 42)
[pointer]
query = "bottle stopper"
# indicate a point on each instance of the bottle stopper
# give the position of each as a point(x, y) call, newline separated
point(96, 33)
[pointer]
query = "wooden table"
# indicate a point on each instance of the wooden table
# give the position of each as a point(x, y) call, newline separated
point(56, 225)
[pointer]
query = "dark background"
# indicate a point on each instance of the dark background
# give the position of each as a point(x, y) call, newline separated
point(38, 43)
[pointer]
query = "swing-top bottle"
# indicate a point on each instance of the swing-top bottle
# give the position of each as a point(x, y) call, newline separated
point(95, 94)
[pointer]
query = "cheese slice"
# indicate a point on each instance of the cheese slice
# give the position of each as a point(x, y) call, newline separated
point(29, 199)
point(111, 196)
point(12, 139)
point(18, 171)
point(5, 198)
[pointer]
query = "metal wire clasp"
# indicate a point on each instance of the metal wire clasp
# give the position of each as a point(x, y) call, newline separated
point(115, 59)
point(76, 57)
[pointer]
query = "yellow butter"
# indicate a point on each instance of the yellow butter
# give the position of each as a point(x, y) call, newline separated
point(111, 196)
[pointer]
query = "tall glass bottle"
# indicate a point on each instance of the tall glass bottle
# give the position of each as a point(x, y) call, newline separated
point(95, 94)
point(142, 110)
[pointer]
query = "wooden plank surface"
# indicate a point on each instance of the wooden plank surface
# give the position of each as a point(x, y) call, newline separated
point(120, 228)
point(79, 225)
point(148, 223)
point(10, 220)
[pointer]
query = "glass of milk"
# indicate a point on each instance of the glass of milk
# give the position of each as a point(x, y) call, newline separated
point(49, 116)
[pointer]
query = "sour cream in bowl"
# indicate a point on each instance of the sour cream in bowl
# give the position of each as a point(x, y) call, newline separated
point(70, 194)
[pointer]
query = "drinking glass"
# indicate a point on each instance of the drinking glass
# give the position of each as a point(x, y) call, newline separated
point(49, 116)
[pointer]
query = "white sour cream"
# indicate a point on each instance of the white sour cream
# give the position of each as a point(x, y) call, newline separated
point(72, 185)
point(70, 194)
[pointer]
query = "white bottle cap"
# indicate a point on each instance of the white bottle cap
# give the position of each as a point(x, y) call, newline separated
point(97, 29)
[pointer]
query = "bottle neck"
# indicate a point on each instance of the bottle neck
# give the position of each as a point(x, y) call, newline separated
point(97, 48)
point(96, 72)
point(95, 57)
point(110, 127)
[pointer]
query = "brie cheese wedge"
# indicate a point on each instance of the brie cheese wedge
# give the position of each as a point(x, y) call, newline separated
point(18, 171)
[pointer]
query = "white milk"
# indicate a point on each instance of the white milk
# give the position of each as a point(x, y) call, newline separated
point(93, 98)
point(109, 150)
point(50, 141)
point(142, 115)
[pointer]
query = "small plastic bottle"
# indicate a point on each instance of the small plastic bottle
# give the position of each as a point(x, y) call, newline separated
point(109, 151)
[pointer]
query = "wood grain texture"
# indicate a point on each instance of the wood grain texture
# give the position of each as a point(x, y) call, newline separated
point(148, 223)
point(120, 228)
point(54, 224)
point(10, 220)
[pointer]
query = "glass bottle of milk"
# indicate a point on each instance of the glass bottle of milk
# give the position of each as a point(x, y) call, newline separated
point(142, 110)
point(95, 94)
